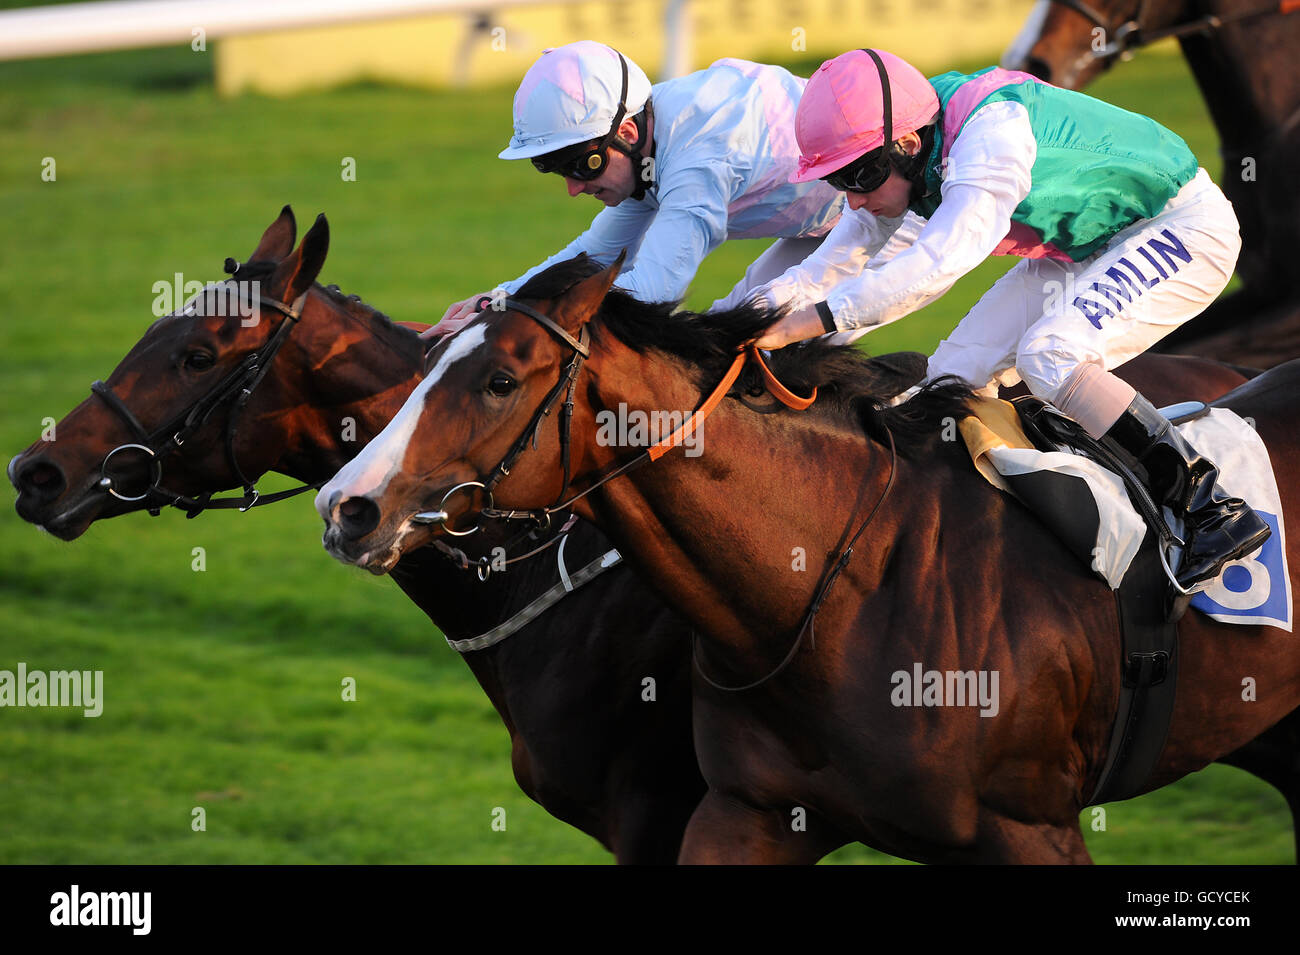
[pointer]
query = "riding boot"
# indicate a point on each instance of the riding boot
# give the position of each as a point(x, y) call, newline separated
point(1217, 528)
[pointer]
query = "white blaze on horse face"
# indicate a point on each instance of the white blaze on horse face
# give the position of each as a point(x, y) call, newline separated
point(369, 472)
point(1019, 49)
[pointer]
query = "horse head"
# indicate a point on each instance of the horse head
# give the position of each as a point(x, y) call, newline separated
point(1070, 42)
point(199, 404)
point(485, 401)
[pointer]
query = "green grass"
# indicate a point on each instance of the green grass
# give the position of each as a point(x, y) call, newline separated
point(223, 686)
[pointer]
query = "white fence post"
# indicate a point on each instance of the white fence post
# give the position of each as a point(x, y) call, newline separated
point(677, 39)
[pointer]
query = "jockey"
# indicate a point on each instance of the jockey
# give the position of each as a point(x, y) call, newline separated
point(680, 166)
point(1122, 239)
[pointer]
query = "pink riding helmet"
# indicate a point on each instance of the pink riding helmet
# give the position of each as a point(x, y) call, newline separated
point(841, 112)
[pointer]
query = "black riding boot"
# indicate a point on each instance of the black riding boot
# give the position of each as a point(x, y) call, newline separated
point(1218, 528)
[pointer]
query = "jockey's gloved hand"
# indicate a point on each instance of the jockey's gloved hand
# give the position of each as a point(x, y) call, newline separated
point(457, 316)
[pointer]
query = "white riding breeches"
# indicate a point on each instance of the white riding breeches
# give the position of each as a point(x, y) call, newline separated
point(1046, 317)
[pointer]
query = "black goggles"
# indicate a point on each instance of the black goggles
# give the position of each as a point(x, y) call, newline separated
point(865, 174)
point(584, 162)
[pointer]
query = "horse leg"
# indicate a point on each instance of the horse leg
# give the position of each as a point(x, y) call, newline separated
point(1006, 841)
point(649, 828)
point(724, 831)
point(1274, 756)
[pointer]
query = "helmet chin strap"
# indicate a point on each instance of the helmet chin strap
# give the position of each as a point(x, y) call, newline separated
point(641, 182)
point(912, 168)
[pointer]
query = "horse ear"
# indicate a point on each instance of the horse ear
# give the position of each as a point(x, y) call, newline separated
point(581, 302)
point(277, 240)
point(296, 273)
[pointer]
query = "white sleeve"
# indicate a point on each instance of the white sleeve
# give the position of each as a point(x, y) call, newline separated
point(614, 229)
point(988, 176)
point(844, 254)
point(690, 223)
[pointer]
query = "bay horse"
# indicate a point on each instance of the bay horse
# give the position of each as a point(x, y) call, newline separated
point(627, 777)
point(798, 731)
point(1242, 54)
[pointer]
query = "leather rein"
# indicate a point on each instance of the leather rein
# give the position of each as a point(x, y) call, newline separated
point(542, 516)
point(567, 384)
point(234, 389)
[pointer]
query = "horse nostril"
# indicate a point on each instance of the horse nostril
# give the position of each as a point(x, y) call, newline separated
point(358, 516)
point(40, 479)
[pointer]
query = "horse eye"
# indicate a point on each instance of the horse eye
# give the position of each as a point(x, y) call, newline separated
point(501, 384)
point(199, 361)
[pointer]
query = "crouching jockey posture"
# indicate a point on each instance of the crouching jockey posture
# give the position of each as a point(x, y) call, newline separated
point(680, 166)
point(1123, 238)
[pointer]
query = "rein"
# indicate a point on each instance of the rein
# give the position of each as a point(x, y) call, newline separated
point(819, 595)
point(235, 389)
point(542, 516)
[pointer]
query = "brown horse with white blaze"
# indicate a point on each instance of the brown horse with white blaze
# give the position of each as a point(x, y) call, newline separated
point(949, 575)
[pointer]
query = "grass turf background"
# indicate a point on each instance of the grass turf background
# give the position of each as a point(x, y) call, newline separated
point(223, 687)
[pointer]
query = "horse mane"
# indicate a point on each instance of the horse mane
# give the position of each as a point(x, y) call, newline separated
point(852, 386)
point(260, 269)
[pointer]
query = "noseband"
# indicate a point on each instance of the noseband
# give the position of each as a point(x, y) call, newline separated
point(235, 389)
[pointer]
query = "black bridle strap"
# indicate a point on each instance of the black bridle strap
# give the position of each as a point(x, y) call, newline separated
point(568, 380)
point(823, 590)
point(239, 385)
point(514, 305)
point(123, 412)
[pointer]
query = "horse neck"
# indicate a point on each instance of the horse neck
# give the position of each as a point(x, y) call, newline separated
point(349, 374)
point(1247, 76)
point(772, 512)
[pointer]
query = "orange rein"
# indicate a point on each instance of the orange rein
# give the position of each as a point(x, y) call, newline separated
point(779, 391)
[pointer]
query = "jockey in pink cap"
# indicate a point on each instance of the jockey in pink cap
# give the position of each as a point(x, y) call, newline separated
point(1122, 237)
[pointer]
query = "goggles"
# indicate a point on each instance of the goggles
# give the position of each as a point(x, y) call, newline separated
point(865, 174)
point(583, 162)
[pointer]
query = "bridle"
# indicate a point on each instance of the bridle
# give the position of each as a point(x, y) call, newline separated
point(1129, 34)
point(568, 380)
point(234, 390)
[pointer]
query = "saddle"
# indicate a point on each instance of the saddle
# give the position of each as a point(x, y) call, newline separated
point(1148, 605)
